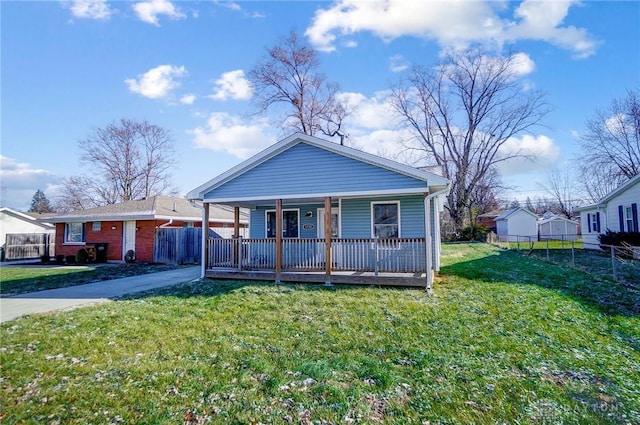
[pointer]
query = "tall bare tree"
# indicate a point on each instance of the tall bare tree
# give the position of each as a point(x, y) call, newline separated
point(288, 80)
point(462, 113)
point(128, 160)
point(560, 185)
point(610, 146)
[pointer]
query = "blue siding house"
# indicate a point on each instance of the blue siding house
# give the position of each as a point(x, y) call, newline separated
point(323, 212)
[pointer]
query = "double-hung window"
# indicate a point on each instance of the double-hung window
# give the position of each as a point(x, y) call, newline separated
point(629, 218)
point(385, 219)
point(74, 232)
point(290, 224)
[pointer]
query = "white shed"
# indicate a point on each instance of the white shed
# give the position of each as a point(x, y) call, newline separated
point(554, 227)
point(517, 224)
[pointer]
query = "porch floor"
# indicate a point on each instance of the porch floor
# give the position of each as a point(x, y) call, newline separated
point(337, 277)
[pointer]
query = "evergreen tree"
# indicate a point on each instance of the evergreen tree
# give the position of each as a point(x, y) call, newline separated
point(40, 203)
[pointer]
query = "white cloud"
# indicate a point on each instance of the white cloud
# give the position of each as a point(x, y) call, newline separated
point(148, 11)
point(90, 9)
point(188, 99)
point(226, 133)
point(453, 24)
point(228, 4)
point(398, 63)
point(232, 85)
point(544, 151)
point(157, 82)
point(370, 113)
point(522, 64)
point(20, 180)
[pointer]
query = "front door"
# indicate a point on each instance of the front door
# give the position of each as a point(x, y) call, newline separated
point(129, 237)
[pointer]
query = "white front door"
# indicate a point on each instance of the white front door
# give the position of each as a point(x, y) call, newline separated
point(129, 237)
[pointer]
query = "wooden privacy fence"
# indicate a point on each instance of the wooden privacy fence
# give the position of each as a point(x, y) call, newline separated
point(184, 245)
point(22, 246)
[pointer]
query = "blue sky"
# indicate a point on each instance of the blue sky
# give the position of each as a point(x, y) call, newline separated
point(68, 67)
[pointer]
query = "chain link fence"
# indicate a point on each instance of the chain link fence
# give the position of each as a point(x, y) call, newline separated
point(620, 263)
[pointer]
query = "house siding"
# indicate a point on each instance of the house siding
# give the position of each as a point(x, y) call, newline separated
point(305, 169)
point(625, 199)
point(519, 225)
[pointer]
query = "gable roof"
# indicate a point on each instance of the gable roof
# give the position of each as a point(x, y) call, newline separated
point(32, 218)
point(549, 217)
point(509, 213)
point(153, 208)
point(434, 181)
point(615, 192)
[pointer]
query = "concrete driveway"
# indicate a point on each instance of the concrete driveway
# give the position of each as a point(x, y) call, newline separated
point(91, 293)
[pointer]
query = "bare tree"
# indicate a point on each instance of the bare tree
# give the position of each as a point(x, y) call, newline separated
point(128, 160)
point(484, 197)
point(462, 113)
point(560, 185)
point(289, 77)
point(610, 147)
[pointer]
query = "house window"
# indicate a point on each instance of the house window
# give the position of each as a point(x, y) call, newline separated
point(290, 224)
point(385, 219)
point(96, 226)
point(629, 218)
point(74, 232)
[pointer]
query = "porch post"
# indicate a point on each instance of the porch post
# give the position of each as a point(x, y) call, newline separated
point(428, 241)
point(205, 238)
point(278, 239)
point(327, 240)
point(236, 234)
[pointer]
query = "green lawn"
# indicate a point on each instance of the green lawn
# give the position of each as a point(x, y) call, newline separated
point(29, 278)
point(503, 339)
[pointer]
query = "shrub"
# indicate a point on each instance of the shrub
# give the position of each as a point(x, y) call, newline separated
point(45, 259)
point(59, 259)
point(82, 257)
point(619, 238)
point(70, 259)
point(130, 256)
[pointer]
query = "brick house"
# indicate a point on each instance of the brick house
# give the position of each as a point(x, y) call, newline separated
point(132, 225)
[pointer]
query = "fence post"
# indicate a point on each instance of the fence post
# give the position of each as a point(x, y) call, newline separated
point(547, 249)
point(238, 249)
point(573, 255)
point(613, 262)
point(518, 243)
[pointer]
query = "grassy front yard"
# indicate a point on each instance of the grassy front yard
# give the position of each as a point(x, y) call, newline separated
point(504, 339)
point(29, 278)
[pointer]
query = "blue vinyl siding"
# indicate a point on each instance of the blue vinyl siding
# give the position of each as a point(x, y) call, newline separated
point(306, 169)
point(356, 216)
point(258, 226)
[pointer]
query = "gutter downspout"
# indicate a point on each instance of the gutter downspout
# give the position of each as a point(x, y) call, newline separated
point(168, 223)
point(203, 242)
point(428, 239)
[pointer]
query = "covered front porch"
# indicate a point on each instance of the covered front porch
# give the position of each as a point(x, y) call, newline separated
point(387, 261)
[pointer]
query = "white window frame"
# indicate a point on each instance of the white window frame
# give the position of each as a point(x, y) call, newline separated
point(96, 226)
point(266, 223)
point(628, 218)
point(373, 204)
point(67, 232)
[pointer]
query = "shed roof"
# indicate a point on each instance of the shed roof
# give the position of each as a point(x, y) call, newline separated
point(509, 213)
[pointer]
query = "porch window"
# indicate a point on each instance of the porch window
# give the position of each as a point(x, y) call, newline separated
point(74, 232)
point(385, 219)
point(290, 224)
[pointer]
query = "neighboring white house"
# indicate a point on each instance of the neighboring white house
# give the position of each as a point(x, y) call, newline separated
point(12, 221)
point(618, 212)
point(517, 224)
point(26, 225)
point(552, 226)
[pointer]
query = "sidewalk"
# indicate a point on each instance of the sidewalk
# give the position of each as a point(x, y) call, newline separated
point(91, 293)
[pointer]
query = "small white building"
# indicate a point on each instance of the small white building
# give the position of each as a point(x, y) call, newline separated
point(12, 221)
point(517, 224)
point(617, 211)
point(555, 227)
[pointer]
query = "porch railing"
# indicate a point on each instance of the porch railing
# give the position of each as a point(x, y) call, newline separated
point(402, 255)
